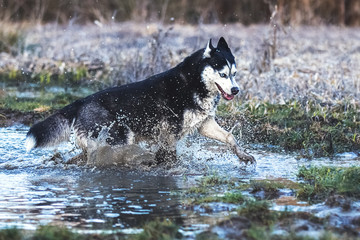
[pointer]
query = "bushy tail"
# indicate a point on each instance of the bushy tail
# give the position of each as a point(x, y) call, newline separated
point(50, 132)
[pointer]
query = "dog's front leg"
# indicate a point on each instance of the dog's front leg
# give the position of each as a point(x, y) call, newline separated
point(211, 129)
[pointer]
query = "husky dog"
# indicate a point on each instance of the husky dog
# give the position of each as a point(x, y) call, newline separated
point(162, 108)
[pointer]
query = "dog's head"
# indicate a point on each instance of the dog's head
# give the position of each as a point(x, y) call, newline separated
point(220, 70)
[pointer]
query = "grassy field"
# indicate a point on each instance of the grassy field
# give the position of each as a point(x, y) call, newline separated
point(299, 86)
point(299, 90)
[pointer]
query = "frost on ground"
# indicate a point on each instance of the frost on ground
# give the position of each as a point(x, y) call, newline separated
point(317, 63)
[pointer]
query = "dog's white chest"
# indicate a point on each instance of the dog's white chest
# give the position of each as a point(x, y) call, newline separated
point(194, 118)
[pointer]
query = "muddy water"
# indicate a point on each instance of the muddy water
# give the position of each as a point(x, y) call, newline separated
point(37, 191)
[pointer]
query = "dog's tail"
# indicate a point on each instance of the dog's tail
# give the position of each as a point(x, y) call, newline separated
point(50, 132)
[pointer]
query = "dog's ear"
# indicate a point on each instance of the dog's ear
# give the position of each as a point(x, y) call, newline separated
point(208, 49)
point(222, 44)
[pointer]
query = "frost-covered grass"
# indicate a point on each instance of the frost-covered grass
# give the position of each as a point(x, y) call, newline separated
point(319, 63)
point(305, 96)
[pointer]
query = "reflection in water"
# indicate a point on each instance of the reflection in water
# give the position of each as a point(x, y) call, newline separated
point(37, 191)
point(99, 200)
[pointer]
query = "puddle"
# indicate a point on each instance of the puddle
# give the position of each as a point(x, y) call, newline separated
point(36, 191)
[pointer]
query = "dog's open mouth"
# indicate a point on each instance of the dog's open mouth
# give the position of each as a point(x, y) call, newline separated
point(224, 94)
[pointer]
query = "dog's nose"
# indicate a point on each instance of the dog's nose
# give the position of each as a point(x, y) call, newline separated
point(234, 90)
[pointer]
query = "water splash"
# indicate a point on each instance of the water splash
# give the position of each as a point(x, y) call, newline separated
point(37, 190)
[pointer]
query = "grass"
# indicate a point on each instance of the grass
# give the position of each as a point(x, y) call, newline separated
point(258, 212)
point(46, 103)
point(11, 38)
point(49, 232)
point(207, 183)
point(228, 197)
point(153, 230)
point(72, 76)
point(271, 185)
point(158, 230)
point(317, 129)
point(322, 182)
point(11, 233)
point(207, 190)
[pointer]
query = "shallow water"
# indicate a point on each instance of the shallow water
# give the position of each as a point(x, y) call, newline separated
point(37, 191)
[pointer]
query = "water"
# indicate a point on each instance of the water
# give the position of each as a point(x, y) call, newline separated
point(36, 190)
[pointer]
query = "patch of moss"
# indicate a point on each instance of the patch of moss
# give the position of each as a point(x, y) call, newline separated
point(161, 230)
point(49, 232)
point(258, 212)
point(214, 180)
point(11, 233)
point(207, 236)
point(197, 190)
point(272, 185)
point(228, 197)
point(321, 182)
point(209, 182)
point(256, 232)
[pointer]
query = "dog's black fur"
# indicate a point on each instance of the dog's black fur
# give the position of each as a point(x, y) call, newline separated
point(153, 109)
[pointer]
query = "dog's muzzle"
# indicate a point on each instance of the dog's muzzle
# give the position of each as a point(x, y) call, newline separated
point(228, 96)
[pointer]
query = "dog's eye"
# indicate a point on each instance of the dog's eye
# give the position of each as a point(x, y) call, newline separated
point(234, 74)
point(223, 75)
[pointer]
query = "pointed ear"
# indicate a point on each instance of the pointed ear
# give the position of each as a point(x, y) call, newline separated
point(222, 44)
point(208, 49)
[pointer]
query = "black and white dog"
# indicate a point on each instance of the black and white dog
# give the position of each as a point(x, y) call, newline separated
point(163, 108)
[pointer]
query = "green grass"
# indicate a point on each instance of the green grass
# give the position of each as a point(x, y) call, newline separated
point(318, 129)
point(258, 212)
point(154, 230)
point(272, 185)
point(228, 197)
point(49, 232)
point(29, 104)
point(70, 77)
point(213, 188)
point(158, 230)
point(214, 180)
point(11, 233)
point(321, 182)
point(208, 183)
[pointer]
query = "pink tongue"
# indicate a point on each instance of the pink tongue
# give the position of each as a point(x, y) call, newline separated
point(227, 96)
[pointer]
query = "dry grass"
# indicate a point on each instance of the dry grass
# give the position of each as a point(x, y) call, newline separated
point(321, 63)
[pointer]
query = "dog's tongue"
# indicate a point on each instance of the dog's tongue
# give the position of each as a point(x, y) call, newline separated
point(224, 94)
point(227, 96)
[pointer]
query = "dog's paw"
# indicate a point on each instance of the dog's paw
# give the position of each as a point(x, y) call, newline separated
point(247, 159)
point(244, 157)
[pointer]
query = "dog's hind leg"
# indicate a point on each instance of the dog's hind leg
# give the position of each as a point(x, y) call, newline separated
point(211, 129)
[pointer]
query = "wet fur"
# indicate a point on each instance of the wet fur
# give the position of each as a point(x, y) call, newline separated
point(161, 109)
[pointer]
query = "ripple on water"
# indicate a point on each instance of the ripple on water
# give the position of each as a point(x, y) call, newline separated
point(36, 192)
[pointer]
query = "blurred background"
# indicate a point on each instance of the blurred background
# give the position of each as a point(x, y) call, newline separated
point(285, 49)
point(339, 12)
